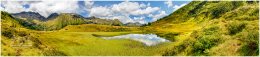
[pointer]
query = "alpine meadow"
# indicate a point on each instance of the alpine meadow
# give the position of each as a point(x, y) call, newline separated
point(116, 28)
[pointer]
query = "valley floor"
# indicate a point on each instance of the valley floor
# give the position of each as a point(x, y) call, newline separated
point(84, 43)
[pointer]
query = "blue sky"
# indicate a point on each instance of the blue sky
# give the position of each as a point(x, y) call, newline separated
point(126, 11)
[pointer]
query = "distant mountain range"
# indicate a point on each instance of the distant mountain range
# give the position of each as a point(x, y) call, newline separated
point(200, 28)
point(29, 15)
point(133, 24)
point(89, 20)
point(57, 21)
point(52, 16)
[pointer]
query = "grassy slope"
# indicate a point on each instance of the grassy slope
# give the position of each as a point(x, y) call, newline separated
point(84, 43)
point(57, 23)
point(99, 21)
point(67, 42)
point(15, 38)
point(62, 20)
point(99, 28)
point(212, 28)
point(199, 28)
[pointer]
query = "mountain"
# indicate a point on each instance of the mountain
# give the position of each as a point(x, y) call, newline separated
point(52, 16)
point(7, 21)
point(34, 16)
point(136, 24)
point(56, 21)
point(200, 28)
point(29, 15)
point(227, 28)
point(63, 20)
point(215, 10)
point(59, 21)
point(13, 33)
point(95, 20)
point(34, 20)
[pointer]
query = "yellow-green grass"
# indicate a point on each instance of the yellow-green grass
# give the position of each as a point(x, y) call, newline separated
point(84, 43)
point(196, 36)
point(98, 28)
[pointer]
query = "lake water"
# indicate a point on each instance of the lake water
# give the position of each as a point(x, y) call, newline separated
point(147, 39)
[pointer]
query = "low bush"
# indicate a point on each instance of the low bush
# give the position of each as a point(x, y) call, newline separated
point(250, 37)
point(235, 27)
point(7, 34)
point(205, 39)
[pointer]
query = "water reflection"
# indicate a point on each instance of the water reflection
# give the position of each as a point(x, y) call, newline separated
point(147, 39)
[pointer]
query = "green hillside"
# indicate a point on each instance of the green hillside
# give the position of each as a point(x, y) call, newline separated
point(57, 22)
point(99, 28)
point(94, 20)
point(212, 28)
point(199, 11)
point(200, 28)
point(17, 40)
point(63, 20)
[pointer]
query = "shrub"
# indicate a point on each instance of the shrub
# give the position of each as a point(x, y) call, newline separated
point(204, 43)
point(22, 33)
point(7, 34)
point(197, 7)
point(210, 30)
point(221, 8)
point(206, 39)
point(249, 49)
point(235, 27)
point(250, 38)
point(179, 48)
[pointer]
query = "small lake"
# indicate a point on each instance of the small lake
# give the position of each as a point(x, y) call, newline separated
point(147, 39)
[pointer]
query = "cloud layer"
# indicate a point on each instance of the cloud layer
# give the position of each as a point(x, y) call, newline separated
point(44, 7)
point(124, 11)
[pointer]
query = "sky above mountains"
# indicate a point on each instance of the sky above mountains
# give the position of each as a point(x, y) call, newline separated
point(126, 11)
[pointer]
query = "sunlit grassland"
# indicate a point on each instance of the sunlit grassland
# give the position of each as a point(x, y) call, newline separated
point(98, 28)
point(20, 41)
point(84, 43)
point(200, 28)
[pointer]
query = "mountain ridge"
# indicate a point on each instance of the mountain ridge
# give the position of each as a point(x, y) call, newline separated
point(29, 15)
point(200, 28)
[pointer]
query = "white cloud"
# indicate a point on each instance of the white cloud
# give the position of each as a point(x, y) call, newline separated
point(88, 4)
point(46, 8)
point(124, 10)
point(148, 10)
point(126, 7)
point(158, 16)
point(134, 8)
point(100, 11)
point(176, 7)
point(169, 3)
point(13, 6)
point(108, 13)
point(121, 11)
point(123, 19)
point(140, 19)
